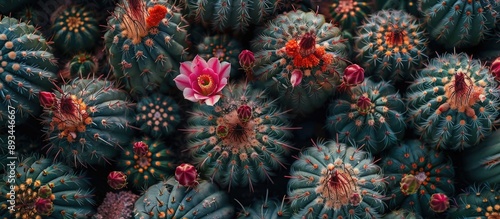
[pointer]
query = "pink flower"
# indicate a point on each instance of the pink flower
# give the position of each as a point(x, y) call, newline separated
point(296, 77)
point(203, 81)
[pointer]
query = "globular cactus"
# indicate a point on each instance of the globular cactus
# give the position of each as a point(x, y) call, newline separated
point(157, 115)
point(76, 29)
point(146, 41)
point(479, 202)
point(453, 102)
point(44, 189)
point(372, 114)
point(8, 6)
point(299, 56)
point(333, 180)
point(414, 173)
point(86, 122)
point(267, 208)
point(224, 48)
point(168, 199)
point(238, 16)
point(409, 6)
point(82, 65)
point(480, 164)
point(347, 14)
point(146, 162)
point(458, 23)
point(28, 67)
point(391, 45)
point(241, 140)
point(118, 205)
point(402, 214)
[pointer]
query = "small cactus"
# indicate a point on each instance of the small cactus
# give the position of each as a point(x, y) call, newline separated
point(168, 199)
point(347, 14)
point(82, 65)
point(157, 115)
point(453, 102)
point(241, 140)
point(332, 180)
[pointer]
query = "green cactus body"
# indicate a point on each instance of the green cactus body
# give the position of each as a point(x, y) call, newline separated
point(27, 68)
point(88, 122)
point(477, 202)
point(145, 52)
point(170, 200)
point(82, 65)
point(332, 180)
point(480, 164)
point(458, 23)
point(409, 6)
point(306, 43)
point(391, 45)
point(348, 14)
point(371, 115)
point(157, 115)
point(76, 29)
point(67, 194)
point(8, 6)
point(240, 141)
point(432, 169)
point(453, 102)
point(402, 214)
point(223, 47)
point(266, 209)
point(147, 166)
point(237, 15)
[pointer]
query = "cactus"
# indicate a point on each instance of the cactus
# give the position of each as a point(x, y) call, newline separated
point(146, 162)
point(238, 16)
point(414, 173)
point(452, 102)
point(402, 214)
point(145, 43)
point(332, 180)
point(304, 43)
point(76, 29)
point(480, 202)
point(86, 122)
point(372, 114)
point(480, 164)
point(347, 14)
point(8, 6)
point(457, 23)
point(157, 115)
point(28, 67)
point(409, 6)
point(240, 140)
point(265, 209)
point(44, 189)
point(117, 206)
point(170, 200)
point(224, 48)
point(83, 65)
point(391, 45)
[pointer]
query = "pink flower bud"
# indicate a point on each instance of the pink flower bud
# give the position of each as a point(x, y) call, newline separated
point(44, 206)
point(439, 202)
point(247, 59)
point(117, 180)
point(353, 75)
point(186, 174)
point(222, 131)
point(44, 191)
point(364, 105)
point(296, 77)
point(47, 99)
point(495, 68)
point(140, 149)
point(244, 113)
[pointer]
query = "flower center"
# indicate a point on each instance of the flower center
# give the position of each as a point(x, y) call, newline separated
point(462, 94)
point(306, 54)
point(70, 117)
point(395, 36)
point(206, 83)
point(338, 187)
point(364, 105)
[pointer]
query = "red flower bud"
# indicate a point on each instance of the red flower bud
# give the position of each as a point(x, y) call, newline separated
point(364, 104)
point(439, 202)
point(244, 113)
point(47, 99)
point(117, 180)
point(247, 59)
point(307, 44)
point(353, 75)
point(44, 206)
point(495, 68)
point(222, 131)
point(186, 174)
point(296, 77)
point(140, 148)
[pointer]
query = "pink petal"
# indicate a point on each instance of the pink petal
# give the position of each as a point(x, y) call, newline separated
point(200, 97)
point(195, 86)
point(221, 85)
point(189, 94)
point(212, 100)
point(182, 81)
point(296, 77)
point(214, 64)
point(186, 68)
point(199, 64)
point(225, 70)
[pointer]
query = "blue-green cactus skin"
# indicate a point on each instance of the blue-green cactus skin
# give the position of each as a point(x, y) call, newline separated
point(157, 115)
point(148, 169)
point(447, 113)
point(391, 45)
point(458, 23)
point(28, 67)
point(378, 127)
point(224, 48)
point(235, 153)
point(96, 132)
point(314, 192)
point(347, 15)
point(274, 63)
point(82, 65)
point(170, 200)
point(476, 202)
point(480, 164)
point(409, 6)
point(433, 169)
point(72, 194)
point(76, 29)
point(266, 208)
point(402, 214)
point(144, 63)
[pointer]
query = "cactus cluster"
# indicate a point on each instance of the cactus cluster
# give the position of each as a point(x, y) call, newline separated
point(453, 102)
point(224, 48)
point(300, 56)
point(333, 180)
point(86, 122)
point(242, 139)
point(157, 115)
